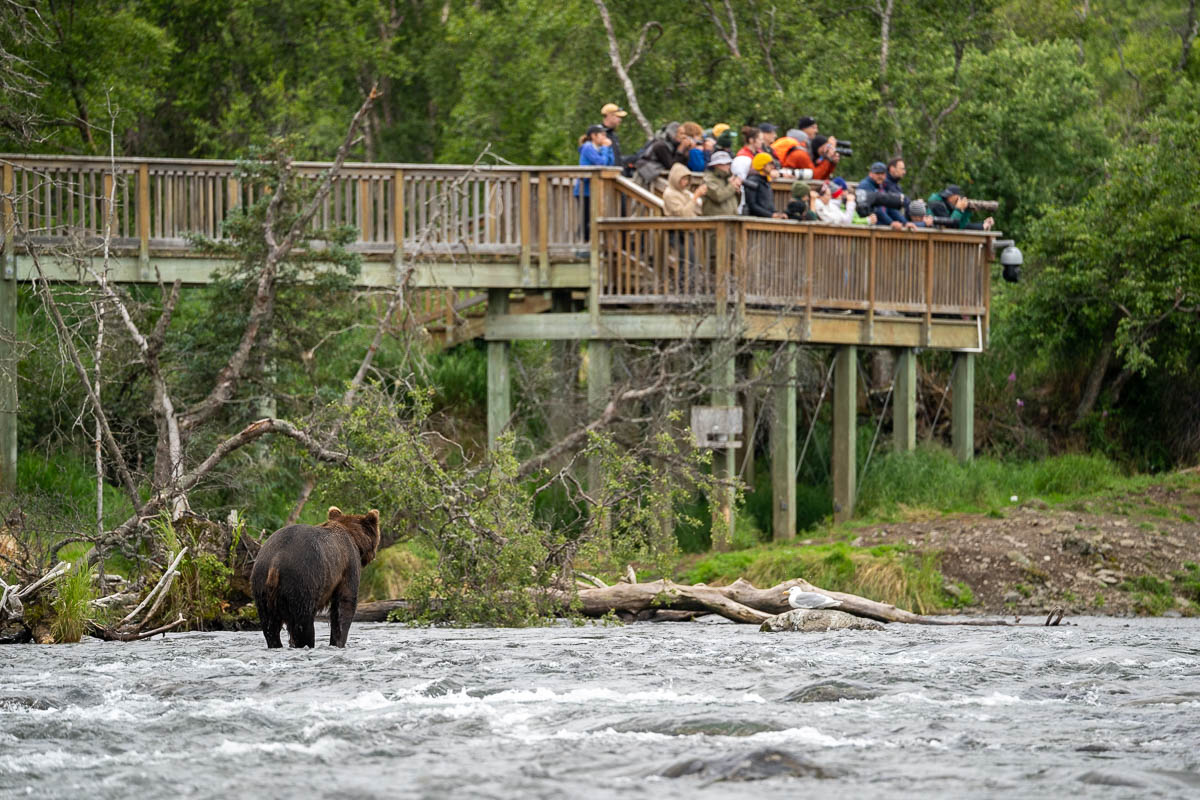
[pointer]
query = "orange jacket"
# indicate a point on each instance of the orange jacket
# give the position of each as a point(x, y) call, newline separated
point(793, 155)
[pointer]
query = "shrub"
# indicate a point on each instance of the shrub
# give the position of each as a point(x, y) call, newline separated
point(71, 604)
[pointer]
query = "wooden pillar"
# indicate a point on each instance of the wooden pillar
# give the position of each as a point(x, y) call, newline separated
point(599, 381)
point(499, 380)
point(962, 421)
point(398, 219)
point(543, 223)
point(564, 358)
point(724, 377)
point(143, 219)
point(904, 406)
point(745, 454)
point(8, 339)
point(526, 220)
point(783, 449)
point(845, 412)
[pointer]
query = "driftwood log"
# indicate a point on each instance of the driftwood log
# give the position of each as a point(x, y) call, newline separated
point(740, 601)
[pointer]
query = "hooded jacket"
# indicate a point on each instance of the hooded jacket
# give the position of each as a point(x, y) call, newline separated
point(679, 202)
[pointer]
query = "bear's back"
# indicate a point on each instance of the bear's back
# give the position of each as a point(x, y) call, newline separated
point(318, 554)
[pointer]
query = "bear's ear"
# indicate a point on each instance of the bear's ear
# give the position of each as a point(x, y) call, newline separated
point(334, 511)
point(373, 514)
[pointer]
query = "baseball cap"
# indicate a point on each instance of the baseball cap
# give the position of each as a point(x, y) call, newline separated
point(878, 166)
point(612, 108)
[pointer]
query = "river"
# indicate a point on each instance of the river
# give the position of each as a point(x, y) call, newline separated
point(1103, 708)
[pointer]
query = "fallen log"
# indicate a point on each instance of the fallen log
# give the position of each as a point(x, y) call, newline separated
point(742, 601)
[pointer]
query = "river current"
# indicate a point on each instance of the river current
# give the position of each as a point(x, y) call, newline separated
point(1103, 708)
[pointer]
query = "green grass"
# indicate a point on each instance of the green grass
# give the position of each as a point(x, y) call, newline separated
point(70, 479)
point(1154, 595)
point(74, 591)
point(887, 573)
point(932, 478)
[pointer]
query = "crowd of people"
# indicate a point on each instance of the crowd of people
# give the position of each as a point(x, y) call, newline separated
point(738, 181)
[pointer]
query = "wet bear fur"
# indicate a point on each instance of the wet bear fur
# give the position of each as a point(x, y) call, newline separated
point(304, 568)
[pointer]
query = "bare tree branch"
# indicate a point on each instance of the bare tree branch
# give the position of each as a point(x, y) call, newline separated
point(727, 31)
point(614, 54)
point(1187, 36)
point(264, 298)
point(68, 344)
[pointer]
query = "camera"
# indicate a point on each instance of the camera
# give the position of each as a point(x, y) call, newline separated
point(1011, 259)
point(865, 198)
point(844, 148)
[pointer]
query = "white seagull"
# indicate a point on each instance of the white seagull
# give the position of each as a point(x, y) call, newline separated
point(798, 598)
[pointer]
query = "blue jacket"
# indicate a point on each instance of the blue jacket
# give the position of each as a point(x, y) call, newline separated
point(697, 159)
point(892, 186)
point(883, 214)
point(592, 156)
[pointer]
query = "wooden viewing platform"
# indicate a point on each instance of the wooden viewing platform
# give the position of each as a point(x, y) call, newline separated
point(462, 232)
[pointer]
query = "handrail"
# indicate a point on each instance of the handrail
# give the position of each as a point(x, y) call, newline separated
point(783, 264)
point(208, 163)
point(400, 210)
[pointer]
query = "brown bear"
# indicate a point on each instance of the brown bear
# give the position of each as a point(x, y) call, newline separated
point(303, 568)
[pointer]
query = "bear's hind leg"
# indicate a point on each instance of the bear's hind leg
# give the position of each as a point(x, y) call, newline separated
point(304, 633)
point(271, 628)
point(341, 614)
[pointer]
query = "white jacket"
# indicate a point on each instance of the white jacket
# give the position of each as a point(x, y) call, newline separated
point(833, 212)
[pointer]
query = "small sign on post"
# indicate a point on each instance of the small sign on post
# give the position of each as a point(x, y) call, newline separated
point(716, 427)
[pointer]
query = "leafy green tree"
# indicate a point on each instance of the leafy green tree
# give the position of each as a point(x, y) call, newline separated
point(1114, 282)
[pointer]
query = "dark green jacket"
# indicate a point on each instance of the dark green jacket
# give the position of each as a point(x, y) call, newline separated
point(940, 208)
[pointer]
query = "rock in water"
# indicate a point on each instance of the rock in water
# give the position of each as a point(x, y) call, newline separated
point(832, 691)
point(816, 620)
point(754, 766)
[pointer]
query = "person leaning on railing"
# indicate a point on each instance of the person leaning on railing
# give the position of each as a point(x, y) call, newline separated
point(723, 189)
point(595, 150)
point(828, 203)
point(799, 208)
point(678, 199)
point(760, 200)
point(951, 202)
point(918, 214)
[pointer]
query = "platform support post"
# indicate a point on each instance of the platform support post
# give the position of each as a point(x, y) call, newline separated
point(962, 420)
point(499, 379)
point(845, 412)
point(783, 448)
point(904, 408)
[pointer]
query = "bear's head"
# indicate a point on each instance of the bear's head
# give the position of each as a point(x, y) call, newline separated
point(363, 529)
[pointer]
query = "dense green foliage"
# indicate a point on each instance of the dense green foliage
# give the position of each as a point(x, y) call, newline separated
point(1082, 121)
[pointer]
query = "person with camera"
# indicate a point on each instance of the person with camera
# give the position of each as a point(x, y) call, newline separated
point(953, 204)
point(760, 199)
point(595, 150)
point(873, 198)
point(827, 203)
point(918, 214)
point(794, 155)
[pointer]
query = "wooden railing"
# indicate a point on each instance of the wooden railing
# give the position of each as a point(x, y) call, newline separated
point(784, 264)
point(519, 212)
point(531, 216)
